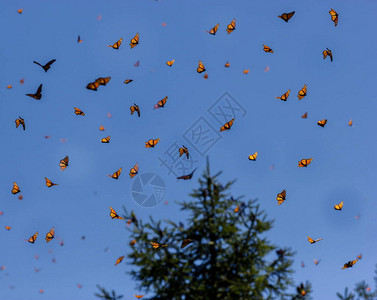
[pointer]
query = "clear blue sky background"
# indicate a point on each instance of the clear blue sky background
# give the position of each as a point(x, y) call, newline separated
point(343, 167)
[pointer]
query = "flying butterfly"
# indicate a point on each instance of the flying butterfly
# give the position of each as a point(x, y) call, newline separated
point(127, 81)
point(151, 143)
point(227, 65)
point(281, 197)
point(133, 242)
point(116, 45)
point(139, 296)
point(19, 11)
point(350, 123)
point(182, 151)
point(92, 85)
point(305, 115)
point(116, 174)
point(231, 27)
point(188, 176)
point(134, 108)
point(201, 67)
point(286, 16)
point(106, 140)
point(79, 112)
point(8, 228)
point(311, 241)
point(316, 262)
point(101, 128)
point(267, 49)
point(161, 103)
point(170, 62)
point(49, 183)
point(322, 122)
point(302, 93)
point(253, 156)
point(64, 163)
point(103, 80)
point(338, 206)
point(79, 40)
point(285, 96)
point(246, 71)
point(47, 66)
point(15, 189)
point(38, 93)
point(214, 30)
point(134, 41)
point(19, 122)
point(134, 170)
point(205, 76)
point(237, 209)
point(33, 238)
point(334, 16)
point(114, 215)
point(186, 242)
point(227, 125)
point(360, 256)
point(157, 245)
point(119, 260)
point(350, 264)
point(304, 162)
point(50, 235)
point(326, 53)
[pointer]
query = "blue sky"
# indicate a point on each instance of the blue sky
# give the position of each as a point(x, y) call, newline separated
point(343, 168)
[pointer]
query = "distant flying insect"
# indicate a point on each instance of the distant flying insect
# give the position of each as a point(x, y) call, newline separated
point(227, 65)
point(267, 49)
point(37, 95)
point(49, 183)
point(134, 41)
point(227, 125)
point(302, 93)
point(247, 71)
point(231, 27)
point(304, 162)
point(103, 80)
point(106, 140)
point(50, 235)
point(188, 176)
point(186, 242)
point(33, 238)
point(134, 108)
point(139, 296)
point(136, 64)
point(134, 171)
point(8, 228)
point(311, 241)
point(19, 122)
point(127, 81)
point(157, 245)
point(213, 30)
point(281, 197)
point(182, 151)
point(151, 143)
point(360, 256)
point(47, 66)
point(334, 16)
point(316, 262)
point(20, 197)
point(339, 206)
point(305, 115)
point(92, 85)
point(9, 86)
point(79, 112)
point(201, 67)
point(350, 264)
point(161, 103)
point(285, 96)
point(205, 76)
point(15, 189)
point(253, 156)
point(64, 163)
point(350, 123)
point(287, 16)
point(116, 45)
point(119, 260)
point(19, 11)
point(79, 39)
point(170, 62)
point(114, 215)
point(322, 122)
point(101, 128)
point(326, 53)
point(116, 174)
point(133, 242)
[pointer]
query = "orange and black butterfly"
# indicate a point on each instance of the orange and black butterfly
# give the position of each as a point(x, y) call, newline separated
point(311, 241)
point(19, 11)
point(253, 156)
point(47, 66)
point(157, 245)
point(134, 108)
point(338, 206)
point(304, 162)
point(127, 81)
point(33, 238)
point(64, 163)
point(161, 103)
point(38, 93)
point(170, 62)
point(247, 71)
point(334, 16)
point(182, 151)
point(350, 123)
point(281, 197)
point(114, 215)
point(116, 45)
point(134, 41)
point(133, 242)
point(79, 40)
point(231, 27)
point(360, 256)
point(227, 64)
point(19, 122)
point(8, 228)
point(227, 125)
point(119, 260)
point(302, 93)
point(214, 30)
point(134, 170)
point(188, 176)
point(106, 140)
point(237, 209)
point(322, 122)
point(301, 289)
point(186, 242)
point(101, 128)
point(93, 86)
point(267, 49)
point(151, 143)
point(326, 53)
point(285, 96)
point(205, 76)
point(49, 183)
point(286, 16)
point(15, 189)
point(116, 174)
point(139, 296)
point(201, 67)
point(316, 262)
point(50, 235)
point(103, 80)
point(305, 115)
point(79, 112)
point(350, 264)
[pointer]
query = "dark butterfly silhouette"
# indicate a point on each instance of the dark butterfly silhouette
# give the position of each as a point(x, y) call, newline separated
point(47, 66)
point(37, 95)
point(186, 177)
point(19, 122)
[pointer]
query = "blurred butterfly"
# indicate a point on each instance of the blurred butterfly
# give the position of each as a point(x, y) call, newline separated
point(9, 86)
point(182, 151)
point(92, 85)
point(350, 123)
point(201, 67)
point(19, 122)
point(19, 11)
point(116, 45)
point(247, 71)
point(227, 65)
point(49, 183)
point(136, 64)
point(114, 215)
point(15, 189)
point(119, 260)
point(322, 122)
point(286, 16)
point(109, 115)
point(79, 285)
point(267, 49)
point(133, 242)
point(116, 174)
point(253, 156)
point(20, 197)
point(8, 228)
point(139, 296)
point(79, 112)
point(64, 163)
point(338, 206)
point(237, 209)
point(316, 262)
point(170, 62)
point(127, 81)
point(106, 140)
point(134, 108)
point(79, 39)
point(50, 235)
point(134, 170)
point(41, 291)
point(22, 81)
point(1, 212)
point(188, 176)
point(285, 96)
point(151, 143)
point(305, 115)
point(157, 245)
point(231, 27)
point(186, 242)
point(281, 197)
point(359, 256)
point(302, 265)
point(33, 238)
point(311, 241)
point(214, 30)
point(161, 103)
point(227, 125)
point(37, 95)
point(302, 92)
point(350, 264)
point(334, 16)
point(47, 66)
point(301, 289)
point(134, 40)
point(304, 162)
point(326, 53)
point(205, 76)
point(103, 80)
point(101, 128)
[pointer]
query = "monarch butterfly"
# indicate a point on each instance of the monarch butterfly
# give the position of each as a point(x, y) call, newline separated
point(311, 241)
point(334, 16)
point(47, 66)
point(15, 189)
point(350, 123)
point(20, 197)
point(338, 206)
point(19, 122)
point(133, 242)
point(101, 128)
point(322, 122)
point(8, 228)
point(161, 103)
point(267, 49)
point(103, 80)
point(79, 39)
point(231, 27)
point(114, 215)
point(201, 67)
point(106, 140)
point(157, 245)
point(182, 151)
point(316, 262)
point(134, 108)
point(237, 209)
point(127, 81)
point(281, 197)
point(253, 156)
point(227, 65)
point(170, 62)
point(50, 235)
point(304, 162)
point(285, 96)
point(19, 11)
point(134, 170)
point(305, 115)
point(186, 242)
point(247, 71)
point(134, 41)
point(22, 81)
point(33, 238)
point(49, 183)
point(9, 86)
point(286, 16)
point(116, 174)
point(214, 30)
point(64, 163)
point(359, 256)
point(38, 93)
point(205, 76)
point(139, 296)
point(326, 53)
point(302, 93)
point(350, 264)
point(227, 125)
point(119, 260)
point(301, 289)
point(79, 112)
point(151, 143)
point(93, 85)
point(188, 176)
point(116, 45)
point(136, 64)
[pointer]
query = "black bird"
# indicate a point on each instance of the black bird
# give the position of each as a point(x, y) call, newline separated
point(37, 95)
point(47, 66)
